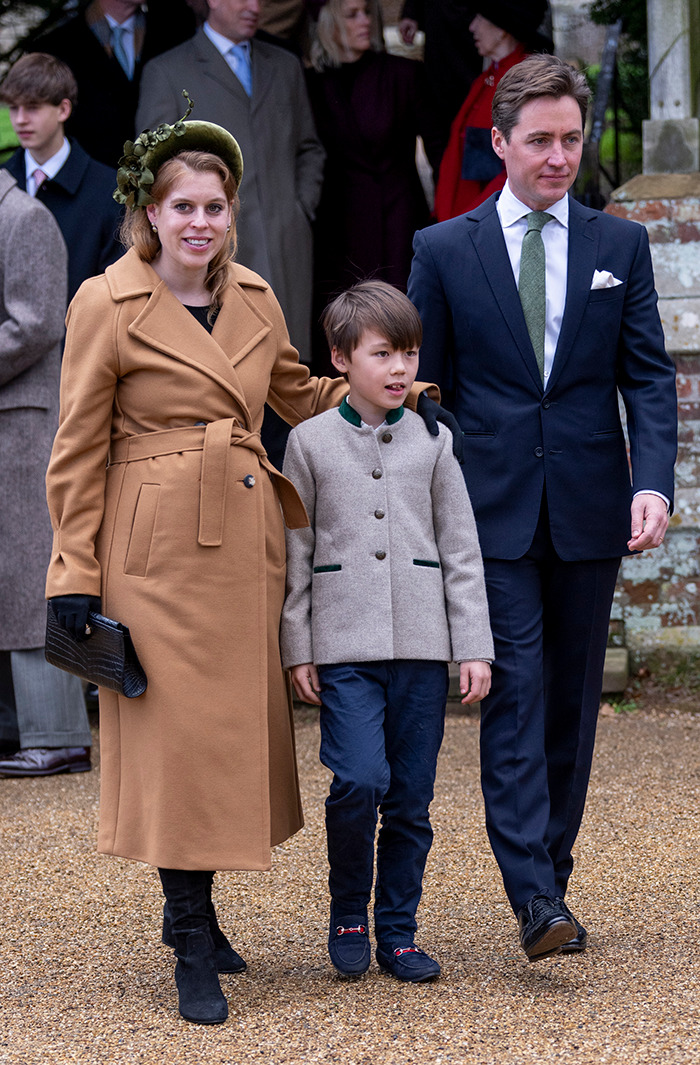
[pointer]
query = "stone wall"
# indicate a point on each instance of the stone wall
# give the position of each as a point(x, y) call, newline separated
point(658, 597)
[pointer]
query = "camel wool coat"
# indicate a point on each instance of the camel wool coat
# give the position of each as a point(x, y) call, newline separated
point(164, 503)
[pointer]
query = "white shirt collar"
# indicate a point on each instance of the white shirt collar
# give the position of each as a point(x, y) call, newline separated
point(52, 166)
point(511, 209)
point(221, 43)
point(129, 24)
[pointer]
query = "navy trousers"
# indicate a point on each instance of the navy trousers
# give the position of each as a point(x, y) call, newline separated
point(550, 626)
point(382, 724)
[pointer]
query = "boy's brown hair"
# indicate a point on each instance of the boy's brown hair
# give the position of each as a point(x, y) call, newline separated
point(534, 77)
point(39, 79)
point(372, 305)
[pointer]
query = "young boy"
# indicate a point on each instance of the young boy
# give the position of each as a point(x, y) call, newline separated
point(40, 92)
point(384, 588)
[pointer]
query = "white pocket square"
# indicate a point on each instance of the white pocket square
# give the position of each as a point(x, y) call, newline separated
point(604, 279)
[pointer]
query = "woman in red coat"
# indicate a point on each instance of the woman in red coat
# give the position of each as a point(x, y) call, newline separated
point(470, 170)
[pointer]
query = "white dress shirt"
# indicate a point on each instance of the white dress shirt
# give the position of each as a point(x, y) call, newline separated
point(51, 167)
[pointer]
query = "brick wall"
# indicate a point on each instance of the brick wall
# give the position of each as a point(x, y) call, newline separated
point(657, 603)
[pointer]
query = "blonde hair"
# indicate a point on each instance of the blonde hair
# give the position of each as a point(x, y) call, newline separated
point(136, 231)
point(327, 45)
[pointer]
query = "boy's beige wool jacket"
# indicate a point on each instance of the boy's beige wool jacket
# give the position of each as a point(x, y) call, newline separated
point(390, 567)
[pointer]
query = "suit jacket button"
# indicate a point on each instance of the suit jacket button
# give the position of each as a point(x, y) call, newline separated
point(249, 481)
point(376, 474)
point(546, 404)
point(379, 513)
point(387, 438)
point(539, 452)
point(380, 555)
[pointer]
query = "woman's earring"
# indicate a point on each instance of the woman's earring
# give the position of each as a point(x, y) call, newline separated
point(228, 227)
point(154, 227)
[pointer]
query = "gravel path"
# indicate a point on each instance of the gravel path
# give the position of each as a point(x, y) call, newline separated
point(83, 977)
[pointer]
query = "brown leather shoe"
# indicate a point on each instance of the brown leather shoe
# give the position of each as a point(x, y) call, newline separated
point(43, 761)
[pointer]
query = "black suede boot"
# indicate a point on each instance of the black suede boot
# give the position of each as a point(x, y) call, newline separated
point(201, 998)
point(226, 959)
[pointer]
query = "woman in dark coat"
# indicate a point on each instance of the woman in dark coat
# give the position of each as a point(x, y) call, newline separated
point(369, 109)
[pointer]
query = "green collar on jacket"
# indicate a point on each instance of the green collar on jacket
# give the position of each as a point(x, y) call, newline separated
point(351, 415)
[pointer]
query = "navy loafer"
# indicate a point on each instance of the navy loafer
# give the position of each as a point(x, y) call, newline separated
point(408, 963)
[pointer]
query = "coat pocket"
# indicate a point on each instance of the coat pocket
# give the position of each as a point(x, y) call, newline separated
point(426, 562)
point(136, 562)
point(327, 569)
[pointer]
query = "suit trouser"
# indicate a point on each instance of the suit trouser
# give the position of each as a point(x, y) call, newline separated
point(550, 627)
point(382, 724)
point(40, 705)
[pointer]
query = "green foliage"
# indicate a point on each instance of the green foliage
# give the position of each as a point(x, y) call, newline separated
point(633, 58)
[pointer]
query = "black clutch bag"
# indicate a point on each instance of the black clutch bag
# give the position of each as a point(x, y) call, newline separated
point(106, 658)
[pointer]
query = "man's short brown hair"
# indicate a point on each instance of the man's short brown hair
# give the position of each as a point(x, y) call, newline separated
point(535, 77)
point(372, 305)
point(39, 78)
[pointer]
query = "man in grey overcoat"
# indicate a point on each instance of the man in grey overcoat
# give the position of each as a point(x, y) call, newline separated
point(42, 710)
point(257, 92)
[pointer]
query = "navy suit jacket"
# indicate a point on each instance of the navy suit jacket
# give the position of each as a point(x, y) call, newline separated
point(80, 199)
point(519, 438)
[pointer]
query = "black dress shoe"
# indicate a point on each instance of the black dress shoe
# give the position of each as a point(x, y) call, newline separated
point(44, 761)
point(580, 941)
point(545, 926)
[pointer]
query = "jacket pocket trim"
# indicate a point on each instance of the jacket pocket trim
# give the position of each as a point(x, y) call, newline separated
point(426, 562)
point(327, 569)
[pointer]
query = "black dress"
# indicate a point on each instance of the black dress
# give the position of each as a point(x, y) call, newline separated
point(368, 115)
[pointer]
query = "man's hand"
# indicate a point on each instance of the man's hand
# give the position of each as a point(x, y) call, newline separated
point(306, 684)
point(474, 681)
point(408, 28)
point(649, 521)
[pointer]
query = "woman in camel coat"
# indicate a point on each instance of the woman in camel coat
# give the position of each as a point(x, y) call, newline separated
point(165, 506)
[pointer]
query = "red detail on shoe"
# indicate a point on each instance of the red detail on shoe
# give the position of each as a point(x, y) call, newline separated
point(341, 931)
point(407, 950)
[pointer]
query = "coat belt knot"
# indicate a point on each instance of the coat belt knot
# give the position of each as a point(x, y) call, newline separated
point(214, 441)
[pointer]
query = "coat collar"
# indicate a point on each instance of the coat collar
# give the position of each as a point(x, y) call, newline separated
point(164, 324)
point(262, 65)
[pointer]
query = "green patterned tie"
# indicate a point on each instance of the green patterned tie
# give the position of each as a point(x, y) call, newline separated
point(531, 285)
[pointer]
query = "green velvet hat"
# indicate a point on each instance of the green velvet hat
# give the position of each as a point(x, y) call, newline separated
point(142, 157)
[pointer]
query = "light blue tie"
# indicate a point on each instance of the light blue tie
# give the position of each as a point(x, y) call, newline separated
point(531, 283)
point(240, 62)
point(119, 51)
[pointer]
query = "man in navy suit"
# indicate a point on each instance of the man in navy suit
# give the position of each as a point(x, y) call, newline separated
point(556, 500)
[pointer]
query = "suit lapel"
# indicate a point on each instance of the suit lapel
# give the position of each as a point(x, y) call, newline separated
point(263, 70)
point(215, 67)
point(582, 258)
point(491, 250)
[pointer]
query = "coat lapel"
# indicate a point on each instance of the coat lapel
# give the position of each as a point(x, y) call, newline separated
point(165, 325)
point(214, 66)
point(583, 255)
point(263, 70)
point(491, 250)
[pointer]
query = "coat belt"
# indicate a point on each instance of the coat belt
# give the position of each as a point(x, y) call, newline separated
point(214, 441)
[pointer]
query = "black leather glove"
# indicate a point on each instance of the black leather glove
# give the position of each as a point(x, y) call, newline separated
point(432, 413)
point(72, 612)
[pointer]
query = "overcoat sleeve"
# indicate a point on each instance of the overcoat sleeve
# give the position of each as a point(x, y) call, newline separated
point(77, 470)
point(295, 635)
point(460, 557)
point(34, 288)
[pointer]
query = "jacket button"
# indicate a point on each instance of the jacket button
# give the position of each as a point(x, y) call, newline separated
point(379, 513)
point(387, 438)
point(249, 481)
point(539, 452)
point(376, 474)
point(380, 555)
point(546, 404)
